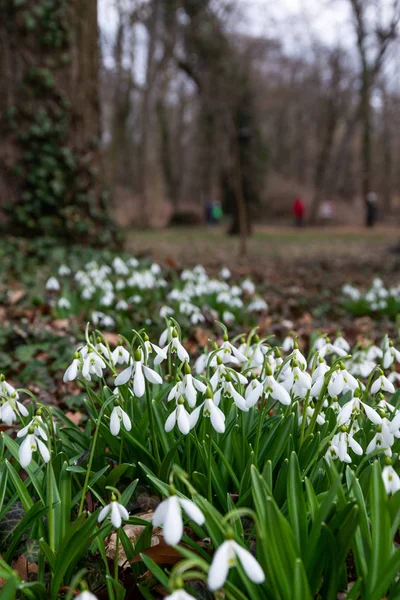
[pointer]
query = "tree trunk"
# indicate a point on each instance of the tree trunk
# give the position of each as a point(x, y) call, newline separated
point(50, 167)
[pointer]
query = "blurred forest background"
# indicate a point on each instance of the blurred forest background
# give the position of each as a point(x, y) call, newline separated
point(151, 109)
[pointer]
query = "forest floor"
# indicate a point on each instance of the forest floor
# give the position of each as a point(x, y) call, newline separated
point(300, 273)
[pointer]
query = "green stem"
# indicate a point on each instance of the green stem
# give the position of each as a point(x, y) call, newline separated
point(152, 427)
point(89, 467)
point(50, 514)
point(259, 425)
point(209, 464)
point(116, 566)
point(304, 419)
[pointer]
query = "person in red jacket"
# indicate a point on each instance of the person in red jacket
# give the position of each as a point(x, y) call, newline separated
point(299, 211)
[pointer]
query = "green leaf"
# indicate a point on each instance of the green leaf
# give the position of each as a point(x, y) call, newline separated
point(381, 535)
point(155, 570)
point(296, 504)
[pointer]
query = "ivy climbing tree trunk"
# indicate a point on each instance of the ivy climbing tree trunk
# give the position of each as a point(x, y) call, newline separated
point(50, 160)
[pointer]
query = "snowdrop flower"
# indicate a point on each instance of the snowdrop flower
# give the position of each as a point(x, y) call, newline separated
point(52, 285)
point(120, 355)
point(211, 410)
point(390, 355)
point(382, 440)
point(32, 442)
point(160, 353)
point(394, 377)
point(226, 557)
point(340, 342)
point(191, 386)
point(297, 381)
point(176, 346)
point(119, 266)
point(72, 372)
point(288, 343)
point(347, 409)
point(382, 383)
point(122, 305)
point(93, 364)
point(224, 273)
point(341, 381)
point(257, 305)
point(309, 415)
point(345, 440)
point(179, 595)
point(169, 515)
point(64, 270)
point(107, 321)
point(248, 287)
point(179, 416)
point(140, 372)
point(229, 391)
point(6, 389)
point(10, 410)
point(64, 303)
point(165, 311)
point(197, 317)
point(86, 595)
point(228, 317)
point(228, 352)
point(118, 415)
point(118, 513)
point(391, 480)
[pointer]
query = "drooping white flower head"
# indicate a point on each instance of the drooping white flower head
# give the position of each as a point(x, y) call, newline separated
point(140, 371)
point(179, 595)
point(383, 384)
point(11, 409)
point(86, 595)
point(169, 515)
point(391, 479)
point(117, 416)
point(210, 409)
point(225, 558)
point(118, 513)
point(32, 442)
point(180, 417)
point(52, 285)
point(120, 355)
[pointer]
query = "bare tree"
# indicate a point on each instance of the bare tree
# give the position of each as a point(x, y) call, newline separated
point(379, 31)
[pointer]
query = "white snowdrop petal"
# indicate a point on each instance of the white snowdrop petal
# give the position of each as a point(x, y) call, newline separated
point(250, 564)
point(173, 524)
point(115, 422)
point(159, 513)
point(170, 422)
point(116, 519)
point(151, 375)
point(192, 511)
point(138, 380)
point(124, 377)
point(44, 451)
point(103, 513)
point(219, 568)
point(123, 512)
point(25, 450)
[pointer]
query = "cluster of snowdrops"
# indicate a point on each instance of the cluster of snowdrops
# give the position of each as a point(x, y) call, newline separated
point(280, 464)
point(111, 294)
point(377, 299)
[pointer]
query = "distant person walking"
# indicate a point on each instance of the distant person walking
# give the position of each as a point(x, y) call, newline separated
point(371, 209)
point(299, 211)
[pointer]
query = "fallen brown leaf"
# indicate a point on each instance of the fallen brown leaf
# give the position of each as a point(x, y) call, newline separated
point(112, 338)
point(25, 568)
point(15, 296)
